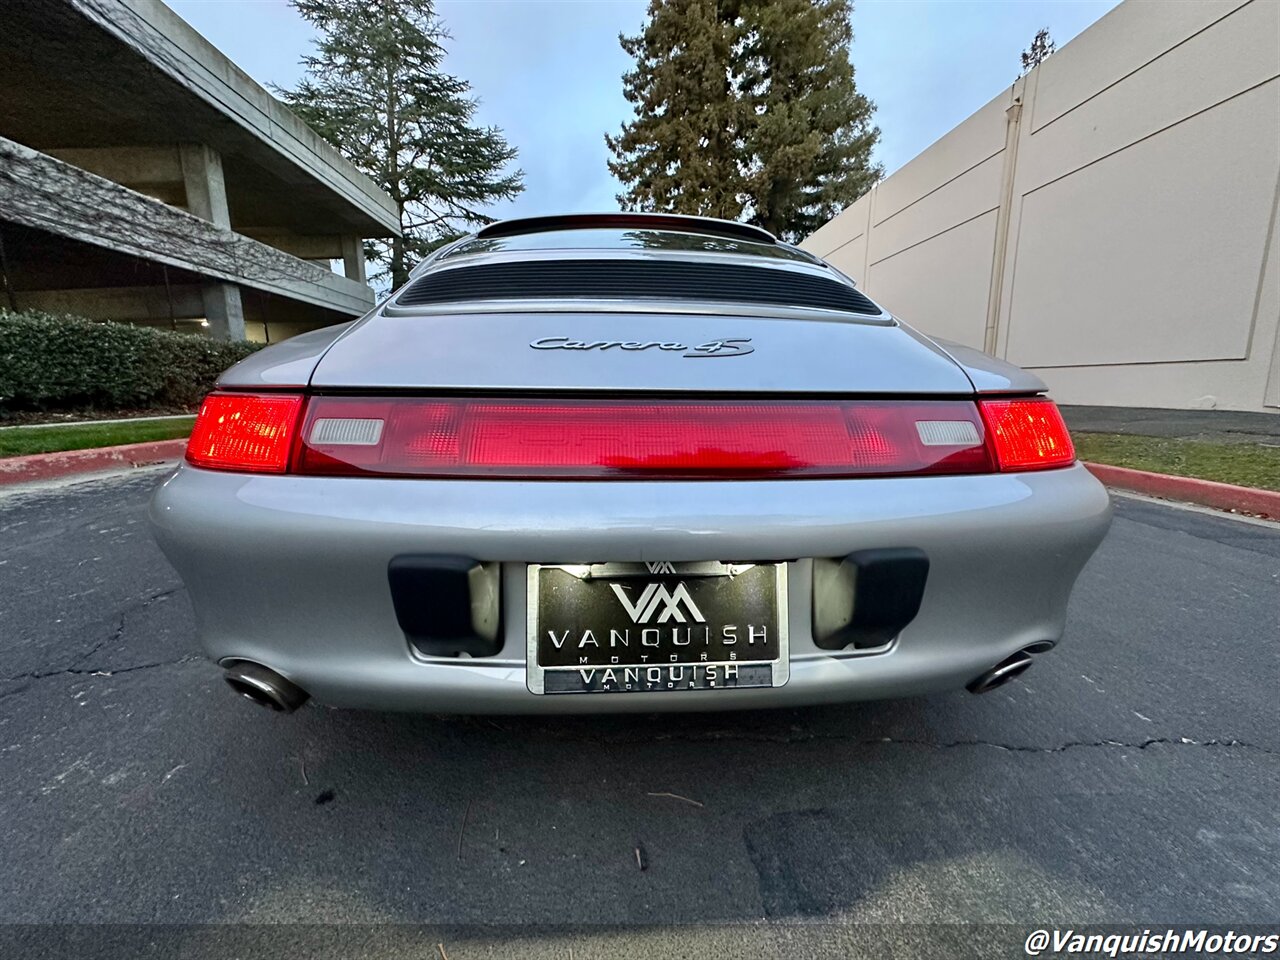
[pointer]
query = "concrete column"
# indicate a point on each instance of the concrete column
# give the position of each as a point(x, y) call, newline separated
point(223, 310)
point(353, 259)
point(207, 198)
point(206, 188)
point(995, 292)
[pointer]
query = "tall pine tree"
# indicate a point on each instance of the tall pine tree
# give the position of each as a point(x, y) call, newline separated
point(809, 148)
point(680, 155)
point(374, 89)
point(770, 129)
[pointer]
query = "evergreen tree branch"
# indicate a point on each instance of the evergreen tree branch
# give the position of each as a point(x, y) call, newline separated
point(375, 90)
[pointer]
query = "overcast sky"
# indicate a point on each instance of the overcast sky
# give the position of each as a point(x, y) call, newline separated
point(548, 72)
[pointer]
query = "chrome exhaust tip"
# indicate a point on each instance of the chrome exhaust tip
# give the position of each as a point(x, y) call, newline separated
point(1001, 673)
point(265, 687)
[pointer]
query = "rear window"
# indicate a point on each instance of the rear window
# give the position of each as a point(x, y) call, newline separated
point(614, 239)
point(639, 279)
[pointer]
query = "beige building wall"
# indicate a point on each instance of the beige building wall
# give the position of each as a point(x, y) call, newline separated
point(1110, 221)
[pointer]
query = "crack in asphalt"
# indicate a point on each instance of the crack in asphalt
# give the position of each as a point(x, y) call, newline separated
point(1077, 744)
point(122, 619)
point(76, 668)
point(72, 671)
point(731, 736)
point(736, 736)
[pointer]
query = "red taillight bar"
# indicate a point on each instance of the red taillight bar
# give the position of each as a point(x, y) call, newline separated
point(599, 439)
point(594, 439)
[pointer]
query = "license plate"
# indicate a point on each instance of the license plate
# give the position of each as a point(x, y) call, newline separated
point(656, 627)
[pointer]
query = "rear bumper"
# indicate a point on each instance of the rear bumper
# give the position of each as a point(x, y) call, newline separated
point(291, 572)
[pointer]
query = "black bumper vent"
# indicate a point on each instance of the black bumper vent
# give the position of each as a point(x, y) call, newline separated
point(447, 605)
point(634, 280)
point(867, 598)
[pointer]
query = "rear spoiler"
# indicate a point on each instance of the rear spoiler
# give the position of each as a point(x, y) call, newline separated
point(629, 221)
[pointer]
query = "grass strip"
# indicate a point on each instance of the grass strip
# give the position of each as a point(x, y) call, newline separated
point(16, 442)
point(1244, 464)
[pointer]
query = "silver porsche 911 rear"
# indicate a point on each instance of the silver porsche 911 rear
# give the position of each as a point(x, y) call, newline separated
point(625, 462)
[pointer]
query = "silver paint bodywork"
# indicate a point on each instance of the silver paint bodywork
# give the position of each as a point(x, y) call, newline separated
point(287, 364)
point(291, 571)
point(990, 374)
point(491, 351)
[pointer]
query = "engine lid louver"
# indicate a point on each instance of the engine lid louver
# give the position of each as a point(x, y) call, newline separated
point(634, 280)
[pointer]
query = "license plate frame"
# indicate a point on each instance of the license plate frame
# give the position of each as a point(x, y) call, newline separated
point(748, 672)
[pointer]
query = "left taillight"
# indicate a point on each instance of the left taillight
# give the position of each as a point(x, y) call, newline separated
point(245, 432)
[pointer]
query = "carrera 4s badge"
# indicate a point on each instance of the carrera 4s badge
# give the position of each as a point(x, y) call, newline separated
point(736, 347)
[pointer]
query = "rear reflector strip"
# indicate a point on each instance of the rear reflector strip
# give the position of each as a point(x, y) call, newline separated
point(624, 439)
point(352, 433)
point(947, 433)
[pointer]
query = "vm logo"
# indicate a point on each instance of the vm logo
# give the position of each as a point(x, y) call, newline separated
point(656, 597)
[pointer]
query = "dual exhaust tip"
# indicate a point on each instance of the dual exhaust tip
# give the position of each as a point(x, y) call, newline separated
point(1007, 669)
point(265, 687)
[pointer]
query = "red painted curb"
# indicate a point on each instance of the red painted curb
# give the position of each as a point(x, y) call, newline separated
point(48, 466)
point(1208, 493)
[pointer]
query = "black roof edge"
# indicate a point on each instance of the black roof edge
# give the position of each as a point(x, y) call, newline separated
point(639, 221)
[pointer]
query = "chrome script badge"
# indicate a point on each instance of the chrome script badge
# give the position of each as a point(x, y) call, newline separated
point(735, 347)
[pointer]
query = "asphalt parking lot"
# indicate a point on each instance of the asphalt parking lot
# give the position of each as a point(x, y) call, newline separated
point(1131, 776)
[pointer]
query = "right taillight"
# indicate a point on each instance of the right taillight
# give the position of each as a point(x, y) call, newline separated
point(1027, 433)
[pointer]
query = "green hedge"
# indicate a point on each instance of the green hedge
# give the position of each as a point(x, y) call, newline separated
point(53, 362)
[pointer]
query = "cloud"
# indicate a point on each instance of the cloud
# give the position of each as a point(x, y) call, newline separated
point(550, 75)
